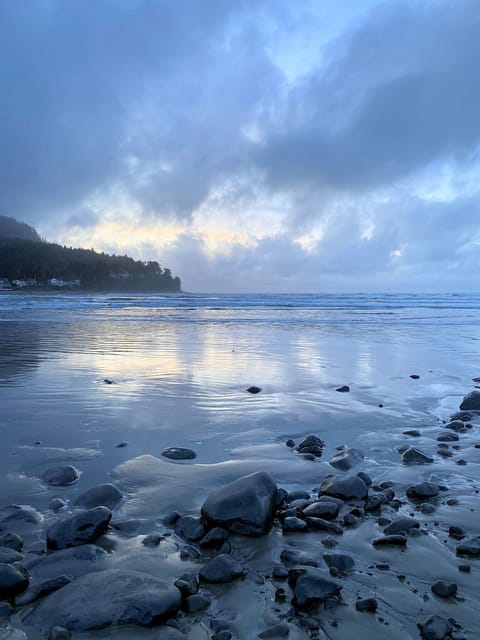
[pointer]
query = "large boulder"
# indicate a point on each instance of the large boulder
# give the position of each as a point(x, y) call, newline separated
point(471, 401)
point(246, 506)
point(345, 488)
point(82, 528)
point(106, 495)
point(107, 598)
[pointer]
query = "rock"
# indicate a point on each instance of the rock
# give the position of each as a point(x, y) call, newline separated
point(61, 476)
point(170, 519)
point(299, 494)
point(152, 540)
point(57, 503)
point(13, 581)
point(412, 455)
point(346, 488)
point(59, 633)
point(414, 376)
point(456, 532)
point(423, 490)
point(187, 583)
point(108, 381)
point(6, 611)
point(10, 633)
point(293, 524)
point(221, 568)
point(350, 520)
point(342, 563)
point(318, 524)
point(459, 426)
point(12, 541)
point(414, 433)
point(82, 528)
point(368, 605)
point(471, 401)
point(225, 634)
point(469, 548)
point(311, 445)
point(254, 389)
point(447, 437)
point(426, 507)
point(290, 443)
point(8, 555)
point(190, 528)
point(444, 589)
point(214, 538)
point(343, 389)
point(312, 588)
point(279, 573)
point(246, 506)
point(401, 525)
point(325, 510)
point(280, 630)
point(19, 517)
point(197, 602)
point(75, 561)
point(390, 541)
point(106, 495)
point(179, 453)
point(347, 459)
point(107, 598)
point(464, 568)
point(122, 444)
point(435, 628)
point(365, 477)
point(42, 589)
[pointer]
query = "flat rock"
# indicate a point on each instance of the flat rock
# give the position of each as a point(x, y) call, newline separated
point(412, 455)
point(325, 510)
point(75, 561)
point(107, 598)
point(246, 506)
point(390, 541)
point(348, 488)
point(444, 589)
point(347, 459)
point(312, 588)
point(469, 548)
point(422, 490)
point(471, 401)
point(179, 453)
point(319, 524)
point(220, 569)
point(13, 581)
point(82, 528)
point(41, 589)
point(401, 525)
point(447, 436)
point(61, 476)
point(435, 628)
point(413, 433)
point(343, 389)
point(106, 495)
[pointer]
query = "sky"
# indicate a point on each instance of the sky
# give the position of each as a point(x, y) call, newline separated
point(250, 145)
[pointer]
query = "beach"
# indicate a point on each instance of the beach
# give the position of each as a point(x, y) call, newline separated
point(106, 383)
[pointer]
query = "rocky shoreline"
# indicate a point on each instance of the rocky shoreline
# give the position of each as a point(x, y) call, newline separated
point(254, 540)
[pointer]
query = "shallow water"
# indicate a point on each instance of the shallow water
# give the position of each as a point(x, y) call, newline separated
point(180, 366)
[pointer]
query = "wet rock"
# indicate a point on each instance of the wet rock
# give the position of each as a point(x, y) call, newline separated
point(435, 628)
point(280, 630)
point(412, 455)
point(456, 532)
point(8, 555)
point(10, 633)
point(122, 444)
point(447, 437)
point(350, 520)
point(246, 506)
point(325, 510)
point(374, 502)
point(197, 602)
point(187, 583)
point(57, 503)
point(6, 611)
point(422, 490)
point(221, 569)
point(469, 548)
point(365, 477)
point(41, 589)
point(444, 589)
point(401, 525)
point(179, 453)
point(279, 573)
point(318, 524)
point(82, 528)
point(75, 561)
point(312, 588)
point(214, 538)
point(107, 598)
point(414, 433)
point(341, 563)
point(347, 459)
point(346, 488)
point(12, 541)
point(293, 524)
point(61, 476)
point(225, 634)
point(458, 426)
point(292, 556)
point(106, 495)
point(59, 633)
point(464, 568)
point(368, 605)
point(299, 494)
point(13, 581)
point(390, 541)
point(20, 516)
point(312, 445)
point(414, 376)
point(471, 402)
point(254, 389)
point(170, 518)
point(343, 389)
point(190, 528)
point(444, 453)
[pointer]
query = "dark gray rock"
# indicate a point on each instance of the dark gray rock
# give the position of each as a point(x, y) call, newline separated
point(444, 589)
point(325, 510)
point(6, 611)
point(343, 564)
point(12, 541)
point(41, 589)
point(61, 476)
point(365, 477)
point(221, 568)
point(197, 602)
point(107, 598)
point(8, 555)
point(401, 525)
point(225, 634)
point(57, 503)
point(456, 532)
point(412, 455)
point(152, 540)
point(459, 426)
point(368, 605)
point(81, 528)
point(318, 524)
point(13, 581)
point(471, 402)
point(214, 538)
point(75, 561)
point(343, 389)
point(246, 506)
point(347, 459)
point(426, 507)
point(469, 548)
point(447, 436)
point(190, 528)
point(414, 376)
point(423, 490)
point(299, 494)
point(279, 572)
point(312, 588)
point(312, 445)
point(435, 628)
point(170, 518)
point(179, 453)
point(413, 433)
point(390, 541)
point(293, 524)
point(346, 488)
point(254, 389)
point(14, 517)
point(187, 583)
point(104, 495)
point(280, 630)
point(122, 444)
point(290, 443)
point(59, 633)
